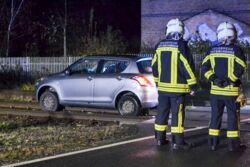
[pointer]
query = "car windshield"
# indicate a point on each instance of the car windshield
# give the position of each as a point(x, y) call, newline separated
point(144, 65)
point(84, 66)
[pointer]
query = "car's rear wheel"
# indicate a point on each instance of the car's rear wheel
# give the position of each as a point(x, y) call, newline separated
point(128, 105)
point(49, 102)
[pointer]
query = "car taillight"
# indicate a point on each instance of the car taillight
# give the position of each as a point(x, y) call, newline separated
point(142, 80)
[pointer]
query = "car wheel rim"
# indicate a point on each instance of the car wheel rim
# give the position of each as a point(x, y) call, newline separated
point(128, 106)
point(48, 102)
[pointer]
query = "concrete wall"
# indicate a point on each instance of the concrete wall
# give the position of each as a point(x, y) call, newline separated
point(156, 13)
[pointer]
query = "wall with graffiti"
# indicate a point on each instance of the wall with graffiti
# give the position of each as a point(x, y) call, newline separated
point(200, 17)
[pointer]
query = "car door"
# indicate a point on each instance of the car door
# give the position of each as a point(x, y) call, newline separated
point(78, 85)
point(109, 81)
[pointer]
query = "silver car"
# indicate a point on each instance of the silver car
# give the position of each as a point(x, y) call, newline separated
point(121, 82)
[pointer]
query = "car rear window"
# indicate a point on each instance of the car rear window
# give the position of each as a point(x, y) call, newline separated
point(144, 65)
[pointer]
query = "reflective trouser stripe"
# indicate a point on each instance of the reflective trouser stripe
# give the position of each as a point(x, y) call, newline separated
point(180, 116)
point(232, 134)
point(176, 129)
point(160, 127)
point(179, 128)
point(214, 132)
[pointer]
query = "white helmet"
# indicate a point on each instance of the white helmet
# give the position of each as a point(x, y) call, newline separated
point(175, 26)
point(226, 31)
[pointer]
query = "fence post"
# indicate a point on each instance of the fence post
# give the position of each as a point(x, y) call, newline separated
point(70, 61)
point(247, 74)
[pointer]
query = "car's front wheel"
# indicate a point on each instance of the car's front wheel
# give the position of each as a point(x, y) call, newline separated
point(128, 105)
point(49, 102)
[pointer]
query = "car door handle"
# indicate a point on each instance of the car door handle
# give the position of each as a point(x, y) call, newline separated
point(119, 78)
point(90, 78)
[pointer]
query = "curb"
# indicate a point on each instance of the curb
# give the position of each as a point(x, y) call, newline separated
point(245, 109)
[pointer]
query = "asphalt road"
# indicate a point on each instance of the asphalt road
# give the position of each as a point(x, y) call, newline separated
point(145, 153)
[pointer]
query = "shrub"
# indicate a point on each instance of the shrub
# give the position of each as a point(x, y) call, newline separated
point(14, 77)
point(106, 42)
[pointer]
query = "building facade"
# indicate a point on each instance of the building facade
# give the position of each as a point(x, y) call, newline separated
point(200, 17)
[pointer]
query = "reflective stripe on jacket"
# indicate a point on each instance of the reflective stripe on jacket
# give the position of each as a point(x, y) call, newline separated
point(225, 63)
point(173, 67)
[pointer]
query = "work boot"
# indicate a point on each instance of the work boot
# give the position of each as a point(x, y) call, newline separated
point(234, 144)
point(212, 148)
point(184, 146)
point(239, 148)
point(162, 142)
point(213, 143)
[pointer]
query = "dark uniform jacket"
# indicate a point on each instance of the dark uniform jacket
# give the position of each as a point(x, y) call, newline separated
point(173, 67)
point(225, 63)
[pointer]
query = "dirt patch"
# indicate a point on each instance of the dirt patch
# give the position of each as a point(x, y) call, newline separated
point(24, 138)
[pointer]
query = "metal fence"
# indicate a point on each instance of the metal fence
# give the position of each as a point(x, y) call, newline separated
point(40, 66)
point(33, 65)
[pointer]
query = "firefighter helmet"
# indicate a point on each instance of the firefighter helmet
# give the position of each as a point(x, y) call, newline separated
point(175, 26)
point(226, 32)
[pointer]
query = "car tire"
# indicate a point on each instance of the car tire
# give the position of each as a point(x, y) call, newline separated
point(129, 105)
point(49, 102)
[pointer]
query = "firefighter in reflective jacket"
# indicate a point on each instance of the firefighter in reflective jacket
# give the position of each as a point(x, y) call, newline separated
point(173, 68)
point(223, 67)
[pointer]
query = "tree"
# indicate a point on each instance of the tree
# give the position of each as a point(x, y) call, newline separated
point(65, 30)
point(56, 27)
point(14, 11)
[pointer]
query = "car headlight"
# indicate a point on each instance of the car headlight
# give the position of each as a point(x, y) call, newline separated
point(40, 80)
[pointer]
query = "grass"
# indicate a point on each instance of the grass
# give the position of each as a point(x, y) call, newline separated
point(24, 138)
point(27, 87)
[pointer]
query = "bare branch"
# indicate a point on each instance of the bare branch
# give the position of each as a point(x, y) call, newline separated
point(18, 9)
point(13, 15)
point(11, 12)
point(17, 37)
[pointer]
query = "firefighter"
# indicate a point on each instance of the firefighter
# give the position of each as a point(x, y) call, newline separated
point(223, 67)
point(173, 71)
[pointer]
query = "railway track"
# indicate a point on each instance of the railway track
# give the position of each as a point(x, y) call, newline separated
point(32, 109)
point(80, 114)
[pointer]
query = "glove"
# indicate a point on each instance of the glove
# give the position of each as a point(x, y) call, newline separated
point(242, 100)
point(192, 93)
point(237, 83)
point(218, 82)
